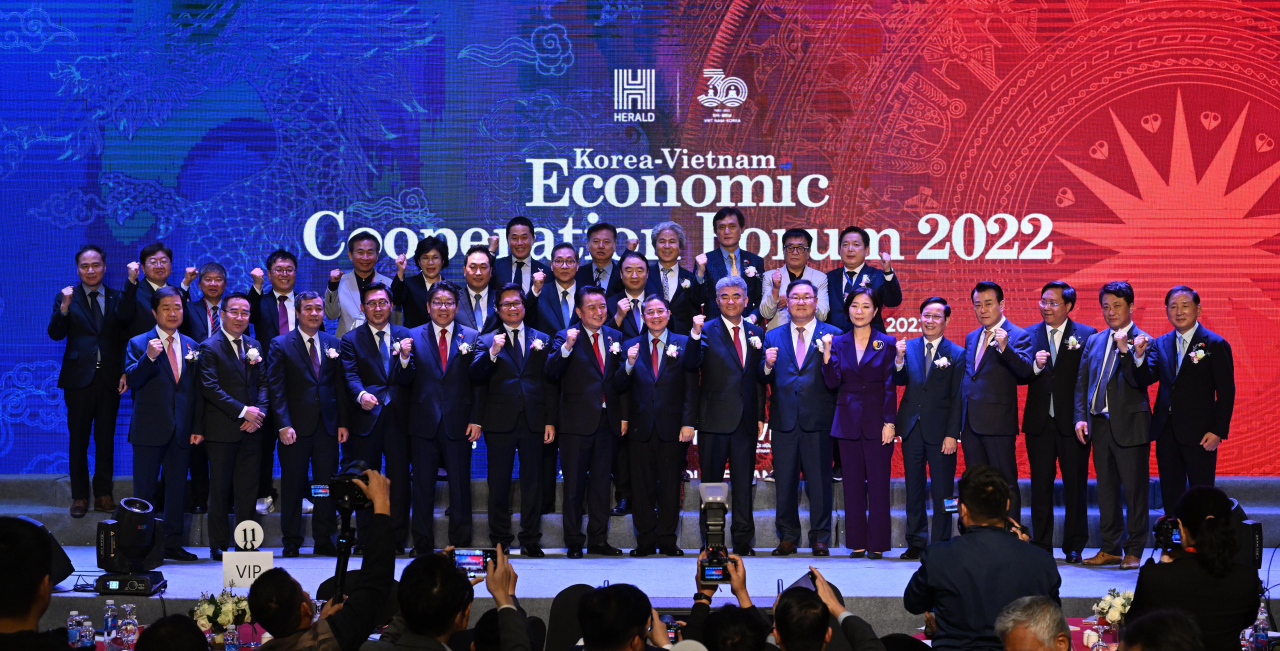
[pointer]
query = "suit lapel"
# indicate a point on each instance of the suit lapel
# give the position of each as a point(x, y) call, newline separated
point(301, 344)
point(231, 351)
point(81, 298)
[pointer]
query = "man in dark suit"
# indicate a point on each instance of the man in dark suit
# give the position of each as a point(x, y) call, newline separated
point(162, 369)
point(968, 580)
point(310, 410)
point(625, 314)
point(662, 409)
point(855, 245)
point(201, 318)
point(435, 363)
point(475, 302)
point(591, 413)
point(92, 318)
point(1112, 409)
point(997, 359)
point(517, 410)
point(731, 405)
point(379, 413)
point(728, 259)
point(801, 409)
point(1050, 439)
point(157, 263)
point(519, 267)
point(233, 381)
point(931, 367)
point(1196, 398)
point(555, 312)
point(671, 281)
point(600, 271)
point(274, 314)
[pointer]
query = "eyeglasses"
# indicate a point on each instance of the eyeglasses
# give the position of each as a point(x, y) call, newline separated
point(237, 313)
point(1050, 304)
point(564, 262)
point(378, 304)
point(157, 262)
point(283, 271)
point(444, 305)
point(509, 305)
point(796, 249)
point(655, 313)
point(801, 299)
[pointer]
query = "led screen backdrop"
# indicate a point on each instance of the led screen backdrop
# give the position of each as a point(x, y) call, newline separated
point(1015, 140)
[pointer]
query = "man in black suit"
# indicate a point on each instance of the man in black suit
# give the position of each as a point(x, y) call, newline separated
point(600, 271)
point(997, 359)
point(434, 363)
point(968, 580)
point(726, 260)
point(731, 405)
point(92, 318)
point(591, 413)
point(932, 369)
point(379, 412)
point(161, 367)
point(304, 371)
point(157, 263)
point(475, 302)
point(671, 281)
point(1114, 411)
point(233, 381)
point(625, 314)
point(1196, 398)
point(555, 312)
point(662, 412)
point(518, 414)
point(855, 244)
point(1050, 439)
point(801, 409)
point(201, 319)
point(274, 314)
point(519, 267)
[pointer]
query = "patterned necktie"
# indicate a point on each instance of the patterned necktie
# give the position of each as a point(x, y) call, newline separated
point(737, 343)
point(174, 364)
point(516, 349)
point(444, 349)
point(283, 316)
point(599, 277)
point(517, 276)
point(733, 265)
point(800, 346)
point(564, 306)
point(595, 348)
point(95, 310)
point(928, 359)
point(1104, 378)
point(654, 359)
point(386, 352)
point(215, 318)
point(315, 356)
point(666, 284)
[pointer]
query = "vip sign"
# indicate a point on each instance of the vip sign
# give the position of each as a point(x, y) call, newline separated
point(241, 569)
point(723, 95)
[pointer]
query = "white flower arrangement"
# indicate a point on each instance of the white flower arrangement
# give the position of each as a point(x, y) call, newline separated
point(536, 344)
point(866, 280)
point(750, 272)
point(1198, 354)
point(673, 351)
point(1114, 605)
point(331, 353)
point(395, 348)
point(253, 356)
point(615, 347)
point(192, 355)
point(1073, 343)
point(464, 348)
point(217, 613)
point(685, 283)
point(941, 362)
point(755, 342)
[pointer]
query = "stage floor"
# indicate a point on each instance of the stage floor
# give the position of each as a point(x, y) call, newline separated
point(872, 589)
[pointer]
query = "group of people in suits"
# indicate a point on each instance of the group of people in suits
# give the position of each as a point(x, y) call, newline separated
point(606, 369)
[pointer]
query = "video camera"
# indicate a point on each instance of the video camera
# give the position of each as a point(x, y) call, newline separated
point(342, 489)
point(715, 508)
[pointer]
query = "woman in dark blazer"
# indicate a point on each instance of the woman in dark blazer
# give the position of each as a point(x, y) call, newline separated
point(859, 364)
point(410, 294)
point(1204, 580)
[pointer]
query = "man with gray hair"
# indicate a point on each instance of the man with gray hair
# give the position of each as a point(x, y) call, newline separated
point(671, 281)
point(1033, 623)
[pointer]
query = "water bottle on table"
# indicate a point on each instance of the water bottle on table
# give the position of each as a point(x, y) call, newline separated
point(110, 620)
point(73, 629)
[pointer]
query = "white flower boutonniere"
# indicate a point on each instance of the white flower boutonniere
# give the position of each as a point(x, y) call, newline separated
point(464, 348)
point(192, 355)
point(395, 348)
point(1198, 353)
point(615, 347)
point(686, 284)
point(877, 344)
point(331, 353)
point(866, 280)
point(673, 351)
point(536, 344)
point(1072, 343)
point(755, 342)
point(941, 362)
point(750, 272)
point(253, 356)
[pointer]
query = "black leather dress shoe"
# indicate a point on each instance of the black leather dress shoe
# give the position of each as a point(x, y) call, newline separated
point(180, 554)
point(641, 552)
point(912, 554)
point(325, 549)
point(785, 548)
point(744, 551)
point(623, 508)
point(574, 553)
point(861, 554)
point(215, 554)
point(820, 549)
point(532, 551)
point(671, 551)
point(1074, 558)
point(604, 549)
point(875, 556)
point(289, 552)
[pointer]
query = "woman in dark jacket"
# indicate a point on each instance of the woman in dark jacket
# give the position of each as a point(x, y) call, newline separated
point(410, 294)
point(1204, 580)
point(859, 364)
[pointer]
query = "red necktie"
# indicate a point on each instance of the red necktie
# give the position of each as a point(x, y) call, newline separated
point(737, 343)
point(654, 358)
point(444, 349)
point(595, 348)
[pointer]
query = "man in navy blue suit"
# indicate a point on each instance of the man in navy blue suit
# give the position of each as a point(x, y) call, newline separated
point(234, 385)
point(855, 245)
point(997, 358)
point(801, 409)
point(662, 410)
point(728, 259)
point(601, 271)
point(1051, 440)
point(592, 414)
point(517, 410)
point(731, 405)
point(162, 369)
point(274, 314)
point(310, 409)
point(92, 318)
point(156, 261)
point(555, 312)
point(519, 267)
point(671, 281)
point(435, 361)
point(476, 299)
point(1196, 398)
point(625, 314)
point(1113, 410)
point(379, 414)
point(201, 318)
point(931, 367)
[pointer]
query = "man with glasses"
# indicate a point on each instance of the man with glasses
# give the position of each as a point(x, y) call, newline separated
point(157, 264)
point(233, 381)
point(796, 243)
point(662, 411)
point(435, 363)
point(274, 314)
point(379, 411)
point(517, 408)
point(555, 312)
point(855, 245)
point(626, 315)
point(1048, 423)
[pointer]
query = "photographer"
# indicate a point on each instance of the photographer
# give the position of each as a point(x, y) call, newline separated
point(968, 580)
point(1202, 578)
point(285, 610)
point(694, 629)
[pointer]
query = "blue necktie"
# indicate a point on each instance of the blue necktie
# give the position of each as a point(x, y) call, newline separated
point(478, 312)
point(386, 352)
point(1100, 393)
point(564, 306)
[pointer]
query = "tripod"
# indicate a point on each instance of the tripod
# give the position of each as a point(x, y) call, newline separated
point(346, 538)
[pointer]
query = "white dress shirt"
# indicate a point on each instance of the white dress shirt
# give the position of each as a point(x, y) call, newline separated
point(1106, 351)
point(647, 347)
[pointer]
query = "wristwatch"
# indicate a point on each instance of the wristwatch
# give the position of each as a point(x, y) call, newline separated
point(698, 596)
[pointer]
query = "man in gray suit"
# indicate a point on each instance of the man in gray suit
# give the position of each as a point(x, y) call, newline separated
point(1113, 409)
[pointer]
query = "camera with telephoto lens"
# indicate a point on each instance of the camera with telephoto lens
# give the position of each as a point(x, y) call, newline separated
point(345, 493)
point(715, 506)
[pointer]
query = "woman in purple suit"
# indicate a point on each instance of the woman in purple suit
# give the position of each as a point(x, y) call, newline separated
point(859, 364)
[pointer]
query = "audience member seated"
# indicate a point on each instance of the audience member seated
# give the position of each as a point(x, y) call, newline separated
point(1164, 630)
point(1033, 624)
point(969, 579)
point(802, 620)
point(279, 604)
point(701, 610)
point(172, 633)
point(619, 617)
point(735, 629)
point(27, 588)
point(563, 632)
point(1202, 578)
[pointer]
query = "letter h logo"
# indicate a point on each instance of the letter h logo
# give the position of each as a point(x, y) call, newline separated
point(633, 90)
